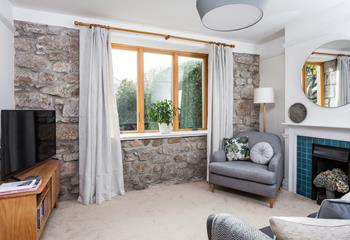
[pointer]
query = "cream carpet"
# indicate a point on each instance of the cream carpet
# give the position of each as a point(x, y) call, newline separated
point(166, 213)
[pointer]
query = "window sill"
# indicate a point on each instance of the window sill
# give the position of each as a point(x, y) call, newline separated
point(133, 136)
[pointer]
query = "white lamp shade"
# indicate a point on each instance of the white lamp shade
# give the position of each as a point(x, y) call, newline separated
point(264, 95)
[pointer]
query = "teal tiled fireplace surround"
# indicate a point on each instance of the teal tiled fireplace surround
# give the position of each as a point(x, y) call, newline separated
point(304, 160)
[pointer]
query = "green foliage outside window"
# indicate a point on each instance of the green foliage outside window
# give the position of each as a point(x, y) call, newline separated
point(311, 82)
point(127, 105)
point(191, 99)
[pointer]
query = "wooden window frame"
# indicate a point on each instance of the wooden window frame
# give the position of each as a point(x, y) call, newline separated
point(175, 84)
point(322, 80)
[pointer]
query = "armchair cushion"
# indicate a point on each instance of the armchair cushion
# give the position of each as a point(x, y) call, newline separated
point(236, 148)
point(261, 153)
point(244, 170)
point(276, 163)
point(219, 156)
point(292, 228)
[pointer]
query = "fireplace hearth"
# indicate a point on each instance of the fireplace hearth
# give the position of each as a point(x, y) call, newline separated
point(327, 158)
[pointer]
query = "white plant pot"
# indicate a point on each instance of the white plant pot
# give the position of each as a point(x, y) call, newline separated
point(164, 128)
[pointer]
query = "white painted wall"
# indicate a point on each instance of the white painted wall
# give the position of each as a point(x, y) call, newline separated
point(6, 56)
point(303, 37)
point(272, 74)
point(65, 20)
point(271, 49)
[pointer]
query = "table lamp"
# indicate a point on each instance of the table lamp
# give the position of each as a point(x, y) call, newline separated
point(264, 95)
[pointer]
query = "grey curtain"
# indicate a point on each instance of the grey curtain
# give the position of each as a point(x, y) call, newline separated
point(343, 84)
point(220, 97)
point(100, 156)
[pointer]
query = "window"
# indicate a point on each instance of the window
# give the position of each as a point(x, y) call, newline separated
point(158, 78)
point(125, 80)
point(313, 82)
point(191, 99)
point(143, 76)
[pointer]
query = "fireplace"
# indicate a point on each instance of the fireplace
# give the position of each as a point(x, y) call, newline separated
point(327, 158)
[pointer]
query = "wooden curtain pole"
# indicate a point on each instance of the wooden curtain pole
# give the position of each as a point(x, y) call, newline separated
point(165, 36)
point(330, 54)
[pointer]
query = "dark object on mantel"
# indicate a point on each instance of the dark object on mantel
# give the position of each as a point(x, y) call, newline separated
point(327, 158)
point(297, 112)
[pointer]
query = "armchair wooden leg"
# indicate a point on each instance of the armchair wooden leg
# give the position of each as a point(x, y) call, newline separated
point(271, 202)
point(211, 187)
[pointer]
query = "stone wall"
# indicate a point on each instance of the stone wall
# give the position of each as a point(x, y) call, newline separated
point(171, 160)
point(246, 77)
point(47, 77)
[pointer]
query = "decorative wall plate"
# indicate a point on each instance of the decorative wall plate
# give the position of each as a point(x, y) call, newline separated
point(297, 112)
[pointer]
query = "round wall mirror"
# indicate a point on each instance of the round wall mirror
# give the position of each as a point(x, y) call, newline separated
point(325, 77)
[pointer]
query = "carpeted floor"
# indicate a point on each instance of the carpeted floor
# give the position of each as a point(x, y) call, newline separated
point(166, 213)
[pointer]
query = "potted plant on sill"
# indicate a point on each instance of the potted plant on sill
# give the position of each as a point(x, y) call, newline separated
point(163, 112)
point(333, 181)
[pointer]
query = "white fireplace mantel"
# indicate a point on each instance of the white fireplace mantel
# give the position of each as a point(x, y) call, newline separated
point(292, 131)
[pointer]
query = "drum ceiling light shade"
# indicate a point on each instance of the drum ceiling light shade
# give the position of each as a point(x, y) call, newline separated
point(230, 15)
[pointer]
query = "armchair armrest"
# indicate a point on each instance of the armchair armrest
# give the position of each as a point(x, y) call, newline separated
point(227, 227)
point(219, 156)
point(276, 163)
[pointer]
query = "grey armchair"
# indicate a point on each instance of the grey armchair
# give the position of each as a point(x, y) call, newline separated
point(228, 227)
point(264, 180)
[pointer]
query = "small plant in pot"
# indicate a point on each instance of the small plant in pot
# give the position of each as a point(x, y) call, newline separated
point(333, 181)
point(163, 112)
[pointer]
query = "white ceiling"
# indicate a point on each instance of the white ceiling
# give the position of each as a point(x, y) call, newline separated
point(182, 15)
point(339, 45)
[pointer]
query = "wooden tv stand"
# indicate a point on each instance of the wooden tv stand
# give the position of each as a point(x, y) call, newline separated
point(18, 212)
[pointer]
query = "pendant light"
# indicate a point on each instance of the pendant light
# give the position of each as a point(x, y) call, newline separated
point(230, 15)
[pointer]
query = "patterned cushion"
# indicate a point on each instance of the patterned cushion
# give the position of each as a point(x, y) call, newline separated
point(261, 153)
point(236, 148)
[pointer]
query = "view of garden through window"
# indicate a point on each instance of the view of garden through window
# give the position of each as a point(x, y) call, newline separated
point(125, 80)
point(190, 92)
point(158, 75)
point(158, 84)
point(312, 82)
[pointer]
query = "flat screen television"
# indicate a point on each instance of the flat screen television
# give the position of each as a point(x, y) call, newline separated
point(27, 138)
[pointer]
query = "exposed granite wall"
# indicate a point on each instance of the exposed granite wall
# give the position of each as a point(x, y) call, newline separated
point(246, 77)
point(172, 160)
point(47, 77)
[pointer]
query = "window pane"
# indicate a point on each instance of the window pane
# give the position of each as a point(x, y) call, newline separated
point(158, 75)
point(191, 92)
point(313, 78)
point(125, 85)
